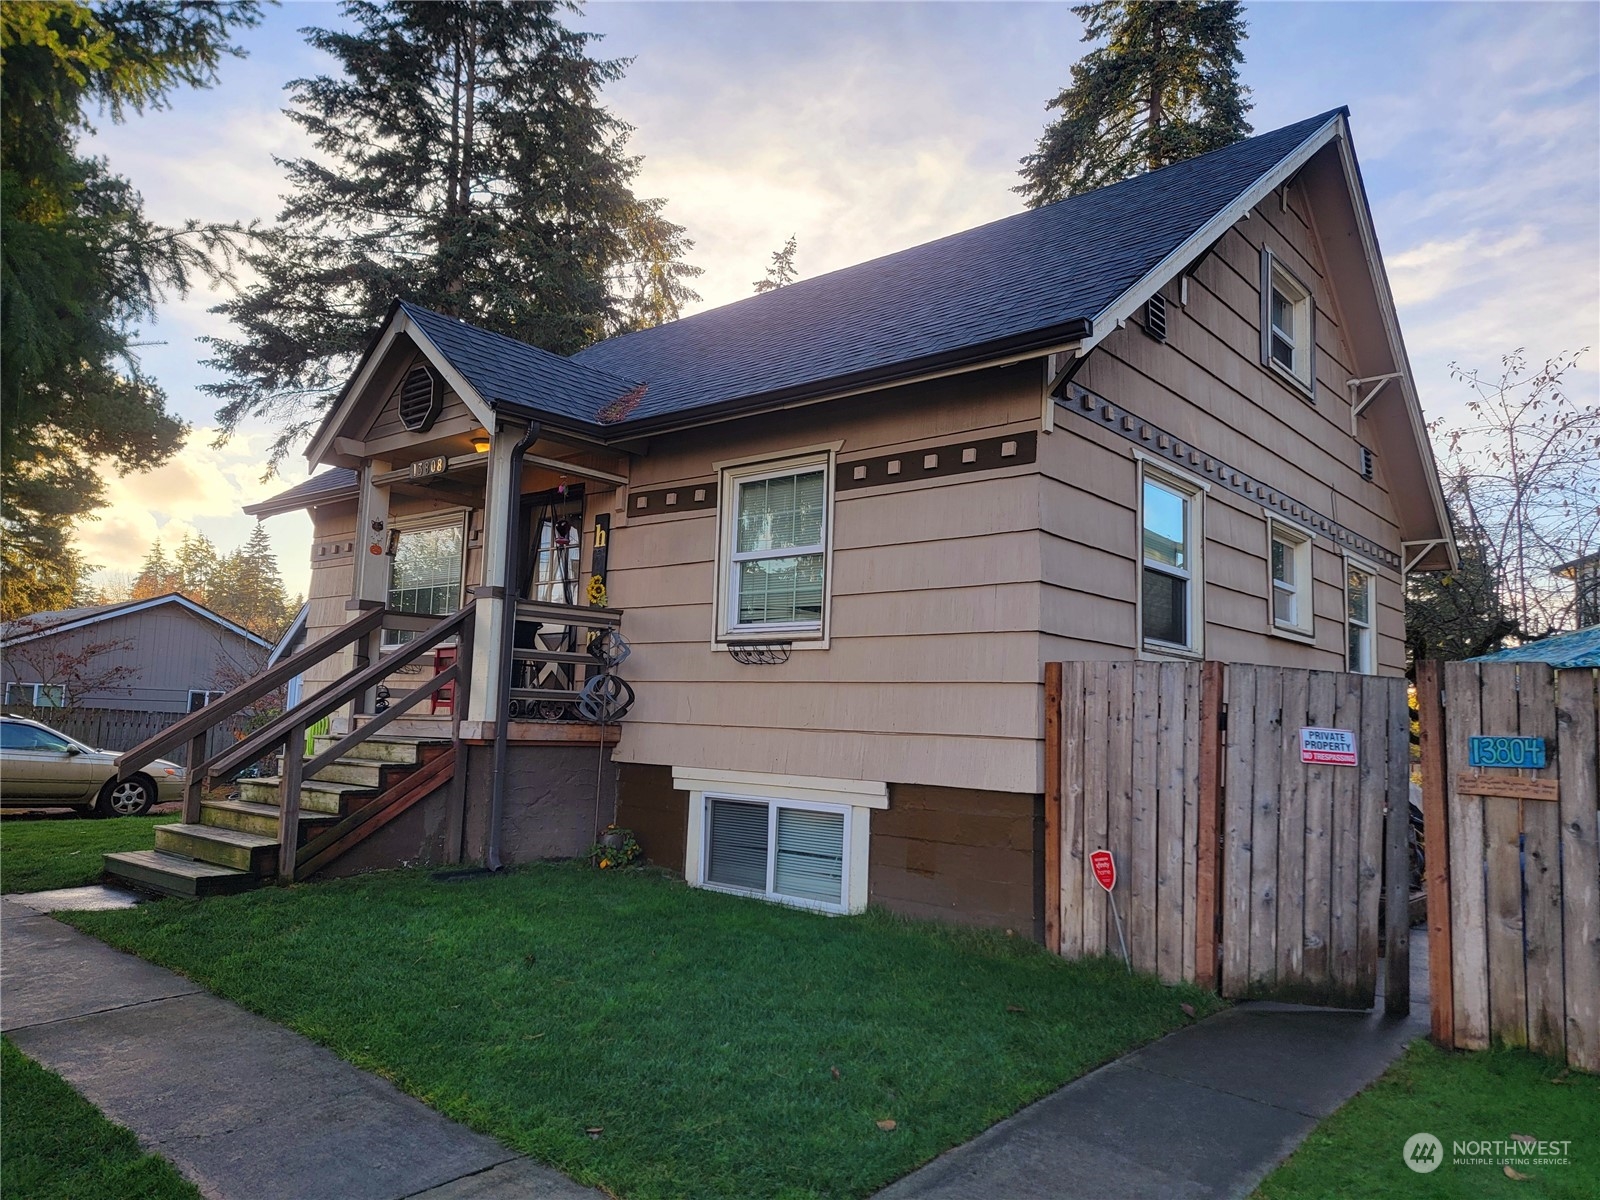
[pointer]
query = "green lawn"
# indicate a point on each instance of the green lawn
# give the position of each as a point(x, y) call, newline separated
point(1454, 1096)
point(59, 1147)
point(36, 855)
point(658, 1040)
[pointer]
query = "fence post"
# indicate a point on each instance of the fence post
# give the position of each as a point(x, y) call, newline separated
point(1052, 807)
point(294, 760)
point(1397, 857)
point(1208, 857)
point(1436, 850)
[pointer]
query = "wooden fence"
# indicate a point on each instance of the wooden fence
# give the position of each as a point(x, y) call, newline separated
point(1239, 866)
point(1514, 862)
point(124, 728)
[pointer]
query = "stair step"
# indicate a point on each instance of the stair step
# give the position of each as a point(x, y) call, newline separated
point(220, 847)
point(260, 819)
point(154, 871)
point(315, 795)
point(402, 750)
point(367, 772)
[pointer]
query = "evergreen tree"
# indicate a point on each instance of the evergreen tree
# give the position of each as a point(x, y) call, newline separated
point(464, 162)
point(247, 587)
point(1458, 614)
point(1163, 87)
point(81, 265)
point(157, 576)
point(195, 563)
point(781, 272)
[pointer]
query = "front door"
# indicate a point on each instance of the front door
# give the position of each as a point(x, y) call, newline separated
point(550, 571)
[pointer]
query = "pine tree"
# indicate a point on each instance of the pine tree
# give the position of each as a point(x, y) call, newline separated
point(157, 576)
point(247, 587)
point(195, 563)
point(82, 265)
point(1164, 87)
point(781, 272)
point(464, 162)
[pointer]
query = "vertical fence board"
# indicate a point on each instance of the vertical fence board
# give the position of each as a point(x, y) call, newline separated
point(1052, 806)
point(1173, 899)
point(1071, 786)
point(1577, 717)
point(1346, 844)
point(1502, 827)
point(1292, 833)
point(1541, 873)
point(1263, 805)
point(1436, 851)
point(1236, 847)
point(1315, 953)
point(1397, 970)
point(1373, 786)
point(1119, 787)
point(1192, 781)
point(1209, 817)
point(1140, 915)
point(1096, 751)
point(1468, 902)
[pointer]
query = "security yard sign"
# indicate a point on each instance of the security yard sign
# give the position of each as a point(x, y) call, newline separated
point(1104, 867)
point(1335, 747)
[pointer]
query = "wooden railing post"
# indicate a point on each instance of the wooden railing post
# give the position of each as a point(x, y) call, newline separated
point(193, 783)
point(294, 761)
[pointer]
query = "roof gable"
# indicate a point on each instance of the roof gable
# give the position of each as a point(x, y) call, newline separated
point(48, 624)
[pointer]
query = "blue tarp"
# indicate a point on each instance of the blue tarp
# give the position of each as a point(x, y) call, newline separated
point(1580, 649)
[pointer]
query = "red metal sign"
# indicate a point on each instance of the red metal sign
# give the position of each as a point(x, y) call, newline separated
point(1105, 868)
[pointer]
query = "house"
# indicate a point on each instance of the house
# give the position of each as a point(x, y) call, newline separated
point(842, 525)
point(1584, 571)
point(167, 654)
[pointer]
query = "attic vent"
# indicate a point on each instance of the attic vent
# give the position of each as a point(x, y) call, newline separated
point(1155, 317)
point(421, 398)
point(1367, 461)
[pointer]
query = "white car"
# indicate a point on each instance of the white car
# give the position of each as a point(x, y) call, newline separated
point(41, 767)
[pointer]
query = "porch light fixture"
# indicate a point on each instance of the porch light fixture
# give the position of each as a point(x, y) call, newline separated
point(481, 441)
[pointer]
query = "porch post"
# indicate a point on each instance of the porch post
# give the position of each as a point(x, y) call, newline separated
point(484, 700)
point(370, 586)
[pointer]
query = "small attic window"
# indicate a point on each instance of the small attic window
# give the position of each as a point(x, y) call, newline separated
point(1155, 317)
point(1288, 330)
point(421, 398)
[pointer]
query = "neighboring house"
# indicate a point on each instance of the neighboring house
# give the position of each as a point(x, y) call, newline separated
point(848, 521)
point(166, 655)
point(1585, 574)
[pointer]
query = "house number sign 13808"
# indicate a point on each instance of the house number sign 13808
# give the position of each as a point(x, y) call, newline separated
point(1493, 751)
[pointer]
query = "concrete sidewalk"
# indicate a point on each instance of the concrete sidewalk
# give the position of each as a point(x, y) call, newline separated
point(1203, 1114)
point(246, 1109)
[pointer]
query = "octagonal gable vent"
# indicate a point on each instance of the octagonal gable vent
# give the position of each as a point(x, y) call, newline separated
point(421, 398)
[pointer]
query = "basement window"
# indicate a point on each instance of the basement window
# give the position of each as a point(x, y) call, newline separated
point(1288, 330)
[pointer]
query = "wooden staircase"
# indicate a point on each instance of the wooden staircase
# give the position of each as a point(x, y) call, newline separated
point(235, 846)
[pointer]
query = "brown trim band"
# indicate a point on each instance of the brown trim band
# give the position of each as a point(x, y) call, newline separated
point(688, 497)
point(1159, 443)
point(936, 462)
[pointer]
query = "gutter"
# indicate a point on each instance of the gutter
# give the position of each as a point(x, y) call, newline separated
point(508, 633)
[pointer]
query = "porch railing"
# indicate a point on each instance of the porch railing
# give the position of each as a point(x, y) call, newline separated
point(531, 699)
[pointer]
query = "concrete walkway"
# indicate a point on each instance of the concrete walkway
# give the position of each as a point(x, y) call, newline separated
point(244, 1108)
point(1205, 1113)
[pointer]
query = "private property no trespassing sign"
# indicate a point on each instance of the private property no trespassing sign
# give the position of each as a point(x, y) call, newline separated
point(1333, 746)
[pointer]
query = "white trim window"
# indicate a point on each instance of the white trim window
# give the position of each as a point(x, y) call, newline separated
point(1288, 324)
point(1170, 576)
point(1358, 605)
point(774, 544)
point(37, 695)
point(199, 698)
point(426, 567)
point(1289, 565)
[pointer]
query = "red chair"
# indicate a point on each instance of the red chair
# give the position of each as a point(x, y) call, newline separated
point(443, 659)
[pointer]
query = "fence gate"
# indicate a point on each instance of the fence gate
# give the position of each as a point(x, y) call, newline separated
point(1514, 856)
point(1302, 843)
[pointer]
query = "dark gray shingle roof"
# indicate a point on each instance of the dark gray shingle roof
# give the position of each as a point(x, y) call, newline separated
point(319, 489)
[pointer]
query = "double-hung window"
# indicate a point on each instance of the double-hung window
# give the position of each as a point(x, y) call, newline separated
point(774, 541)
point(425, 574)
point(1291, 579)
point(1358, 601)
point(782, 850)
point(1288, 324)
point(1170, 578)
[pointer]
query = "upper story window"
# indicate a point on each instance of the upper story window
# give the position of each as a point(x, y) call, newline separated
point(1291, 579)
point(425, 573)
point(1288, 324)
point(774, 540)
point(1358, 601)
point(1169, 592)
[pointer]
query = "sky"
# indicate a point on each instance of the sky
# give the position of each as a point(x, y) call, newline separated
point(865, 128)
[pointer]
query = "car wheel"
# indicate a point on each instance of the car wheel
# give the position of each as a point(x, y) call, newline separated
point(126, 797)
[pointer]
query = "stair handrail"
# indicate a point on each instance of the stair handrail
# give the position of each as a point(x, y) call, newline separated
point(198, 723)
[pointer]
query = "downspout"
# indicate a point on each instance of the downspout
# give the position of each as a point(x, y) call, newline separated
point(508, 637)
